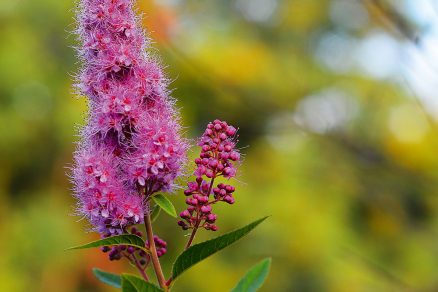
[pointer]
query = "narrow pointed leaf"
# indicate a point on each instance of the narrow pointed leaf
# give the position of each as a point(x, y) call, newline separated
point(126, 239)
point(108, 278)
point(200, 251)
point(131, 283)
point(165, 204)
point(155, 213)
point(254, 278)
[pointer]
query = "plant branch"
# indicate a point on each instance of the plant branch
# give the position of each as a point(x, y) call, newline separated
point(140, 268)
point(153, 255)
point(192, 236)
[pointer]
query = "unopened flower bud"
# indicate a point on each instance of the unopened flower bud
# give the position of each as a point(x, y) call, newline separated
point(211, 218)
point(105, 248)
point(185, 214)
point(231, 131)
point(229, 189)
point(209, 173)
point(213, 163)
point(229, 200)
point(206, 209)
point(234, 156)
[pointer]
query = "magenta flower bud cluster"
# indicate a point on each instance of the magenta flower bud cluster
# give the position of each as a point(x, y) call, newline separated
point(160, 245)
point(118, 251)
point(135, 255)
point(218, 152)
point(218, 157)
point(131, 146)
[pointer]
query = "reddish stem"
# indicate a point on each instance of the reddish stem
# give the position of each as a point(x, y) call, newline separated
point(155, 261)
point(192, 236)
point(140, 268)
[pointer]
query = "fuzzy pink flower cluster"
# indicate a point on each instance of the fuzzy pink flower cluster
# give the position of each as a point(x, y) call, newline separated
point(131, 146)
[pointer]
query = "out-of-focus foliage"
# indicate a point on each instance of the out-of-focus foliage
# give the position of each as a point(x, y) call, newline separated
point(342, 144)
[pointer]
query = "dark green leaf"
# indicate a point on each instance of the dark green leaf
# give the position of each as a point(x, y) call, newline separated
point(108, 278)
point(126, 239)
point(165, 204)
point(155, 213)
point(198, 252)
point(131, 283)
point(254, 278)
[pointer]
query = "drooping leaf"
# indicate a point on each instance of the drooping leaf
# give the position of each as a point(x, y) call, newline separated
point(254, 278)
point(126, 239)
point(155, 213)
point(108, 278)
point(198, 252)
point(165, 204)
point(131, 283)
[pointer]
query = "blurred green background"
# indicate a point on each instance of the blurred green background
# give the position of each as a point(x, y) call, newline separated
point(337, 108)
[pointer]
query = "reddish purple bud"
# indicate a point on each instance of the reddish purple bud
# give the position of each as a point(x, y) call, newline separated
point(234, 156)
point(213, 163)
point(231, 131)
point(229, 188)
point(203, 199)
point(229, 200)
point(211, 218)
point(185, 214)
point(205, 187)
point(206, 209)
point(209, 173)
point(183, 225)
point(105, 248)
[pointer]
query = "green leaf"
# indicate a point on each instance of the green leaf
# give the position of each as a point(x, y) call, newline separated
point(155, 213)
point(126, 239)
point(108, 278)
point(165, 204)
point(198, 252)
point(254, 278)
point(131, 283)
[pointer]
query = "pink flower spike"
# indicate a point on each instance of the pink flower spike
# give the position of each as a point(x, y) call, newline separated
point(132, 141)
